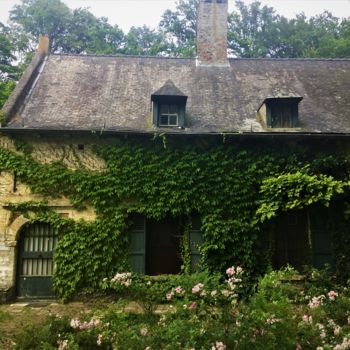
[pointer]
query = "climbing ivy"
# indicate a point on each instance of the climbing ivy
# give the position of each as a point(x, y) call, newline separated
point(233, 189)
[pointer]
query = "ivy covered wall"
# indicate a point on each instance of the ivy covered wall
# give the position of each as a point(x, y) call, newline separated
point(236, 184)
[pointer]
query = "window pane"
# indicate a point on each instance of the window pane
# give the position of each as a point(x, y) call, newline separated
point(164, 109)
point(172, 119)
point(173, 109)
point(163, 120)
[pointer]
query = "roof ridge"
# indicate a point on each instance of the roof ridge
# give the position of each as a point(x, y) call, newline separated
point(193, 58)
point(121, 56)
point(287, 59)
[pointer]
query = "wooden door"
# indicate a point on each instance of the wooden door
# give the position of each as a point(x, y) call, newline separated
point(291, 240)
point(163, 247)
point(35, 264)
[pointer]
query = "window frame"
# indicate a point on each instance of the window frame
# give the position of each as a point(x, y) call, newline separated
point(168, 115)
point(272, 106)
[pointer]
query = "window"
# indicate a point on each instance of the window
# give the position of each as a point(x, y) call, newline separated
point(168, 115)
point(168, 106)
point(281, 116)
point(280, 112)
point(155, 245)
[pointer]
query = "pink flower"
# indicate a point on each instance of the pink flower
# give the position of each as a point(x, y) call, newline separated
point(230, 271)
point(197, 288)
point(178, 290)
point(316, 301)
point(332, 294)
point(170, 295)
point(307, 319)
point(193, 305)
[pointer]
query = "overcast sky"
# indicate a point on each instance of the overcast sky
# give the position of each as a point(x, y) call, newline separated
point(127, 13)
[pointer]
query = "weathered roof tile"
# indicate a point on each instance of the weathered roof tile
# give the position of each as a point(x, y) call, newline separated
point(114, 93)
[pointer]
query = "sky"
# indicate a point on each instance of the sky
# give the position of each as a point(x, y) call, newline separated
point(127, 13)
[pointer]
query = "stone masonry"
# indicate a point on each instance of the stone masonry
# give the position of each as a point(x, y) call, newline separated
point(11, 191)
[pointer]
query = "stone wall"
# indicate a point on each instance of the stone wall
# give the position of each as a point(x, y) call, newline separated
point(74, 154)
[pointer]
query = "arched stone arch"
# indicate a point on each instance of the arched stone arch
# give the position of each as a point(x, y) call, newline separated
point(13, 230)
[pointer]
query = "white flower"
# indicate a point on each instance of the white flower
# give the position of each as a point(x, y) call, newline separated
point(144, 331)
point(218, 346)
point(75, 323)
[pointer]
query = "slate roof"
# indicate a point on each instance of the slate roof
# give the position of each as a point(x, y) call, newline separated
point(113, 93)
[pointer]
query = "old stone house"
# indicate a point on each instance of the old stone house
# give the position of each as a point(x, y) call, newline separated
point(63, 103)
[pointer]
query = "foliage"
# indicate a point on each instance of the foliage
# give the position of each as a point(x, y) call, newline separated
point(42, 17)
point(8, 72)
point(229, 188)
point(6, 88)
point(145, 41)
point(180, 26)
point(279, 286)
point(265, 321)
point(257, 31)
point(297, 190)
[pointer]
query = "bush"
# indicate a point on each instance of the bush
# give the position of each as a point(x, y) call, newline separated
point(193, 317)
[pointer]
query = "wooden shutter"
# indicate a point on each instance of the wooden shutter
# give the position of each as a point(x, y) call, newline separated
point(321, 238)
point(196, 240)
point(138, 243)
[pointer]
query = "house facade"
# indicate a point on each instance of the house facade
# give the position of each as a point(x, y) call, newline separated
point(65, 105)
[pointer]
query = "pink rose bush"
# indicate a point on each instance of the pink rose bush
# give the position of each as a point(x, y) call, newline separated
point(77, 324)
point(207, 312)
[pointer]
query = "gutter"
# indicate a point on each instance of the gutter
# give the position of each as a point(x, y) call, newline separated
point(101, 132)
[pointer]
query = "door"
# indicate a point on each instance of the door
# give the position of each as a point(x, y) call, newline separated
point(291, 240)
point(163, 246)
point(34, 264)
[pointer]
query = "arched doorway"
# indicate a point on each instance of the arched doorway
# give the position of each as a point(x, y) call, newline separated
point(34, 260)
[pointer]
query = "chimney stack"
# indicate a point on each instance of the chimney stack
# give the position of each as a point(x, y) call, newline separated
point(44, 44)
point(212, 33)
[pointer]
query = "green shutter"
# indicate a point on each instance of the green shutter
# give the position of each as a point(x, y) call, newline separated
point(196, 240)
point(182, 116)
point(321, 239)
point(155, 113)
point(138, 244)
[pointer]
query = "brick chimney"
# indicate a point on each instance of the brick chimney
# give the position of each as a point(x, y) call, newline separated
point(44, 45)
point(212, 33)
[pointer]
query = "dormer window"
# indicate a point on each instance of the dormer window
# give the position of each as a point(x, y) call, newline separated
point(280, 112)
point(168, 106)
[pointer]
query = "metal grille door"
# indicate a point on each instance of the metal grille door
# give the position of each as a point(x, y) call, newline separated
point(35, 265)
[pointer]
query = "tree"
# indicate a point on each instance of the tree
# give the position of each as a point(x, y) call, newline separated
point(77, 31)
point(145, 41)
point(254, 31)
point(43, 17)
point(180, 27)
point(8, 72)
point(88, 34)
